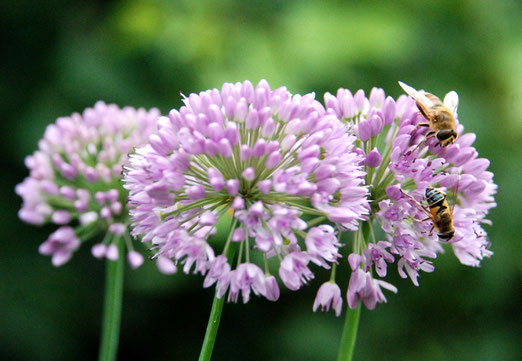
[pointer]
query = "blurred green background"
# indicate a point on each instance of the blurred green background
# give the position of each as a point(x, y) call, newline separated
point(61, 56)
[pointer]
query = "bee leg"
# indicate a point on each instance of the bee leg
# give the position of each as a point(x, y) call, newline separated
point(430, 134)
point(414, 149)
point(424, 209)
point(423, 124)
point(409, 196)
point(419, 204)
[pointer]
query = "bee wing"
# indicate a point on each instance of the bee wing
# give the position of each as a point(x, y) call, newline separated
point(451, 101)
point(419, 96)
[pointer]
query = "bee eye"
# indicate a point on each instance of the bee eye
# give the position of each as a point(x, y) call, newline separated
point(445, 134)
point(447, 236)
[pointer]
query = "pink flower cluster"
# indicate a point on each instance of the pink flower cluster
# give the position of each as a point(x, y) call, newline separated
point(400, 165)
point(267, 156)
point(74, 179)
point(288, 173)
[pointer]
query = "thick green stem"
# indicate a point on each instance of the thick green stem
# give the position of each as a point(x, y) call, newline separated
point(112, 306)
point(212, 328)
point(351, 324)
point(217, 307)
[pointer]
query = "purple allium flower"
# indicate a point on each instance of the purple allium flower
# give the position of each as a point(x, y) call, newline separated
point(364, 288)
point(401, 164)
point(246, 277)
point(60, 245)
point(294, 270)
point(279, 163)
point(75, 179)
point(329, 295)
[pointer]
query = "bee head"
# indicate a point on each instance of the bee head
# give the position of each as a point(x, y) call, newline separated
point(429, 190)
point(446, 236)
point(446, 137)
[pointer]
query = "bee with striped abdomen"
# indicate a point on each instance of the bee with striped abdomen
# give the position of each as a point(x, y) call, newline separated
point(438, 212)
point(441, 214)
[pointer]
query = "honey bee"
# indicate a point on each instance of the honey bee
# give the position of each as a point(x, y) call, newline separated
point(440, 115)
point(439, 213)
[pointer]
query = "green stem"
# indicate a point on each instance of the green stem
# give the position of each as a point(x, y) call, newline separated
point(351, 324)
point(315, 221)
point(217, 308)
point(112, 306)
point(212, 328)
point(332, 274)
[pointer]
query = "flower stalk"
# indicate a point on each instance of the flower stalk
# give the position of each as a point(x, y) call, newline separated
point(212, 328)
point(112, 306)
point(351, 323)
point(217, 305)
point(348, 338)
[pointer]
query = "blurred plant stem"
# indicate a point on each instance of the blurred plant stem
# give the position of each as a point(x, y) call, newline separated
point(112, 306)
point(217, 305)
point(351, 323)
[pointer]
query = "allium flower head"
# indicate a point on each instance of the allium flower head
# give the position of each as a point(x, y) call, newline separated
point(280, 163)
point(401, 164)
point(75, 179)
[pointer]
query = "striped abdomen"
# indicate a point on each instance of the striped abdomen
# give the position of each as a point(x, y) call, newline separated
point(441, 214)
